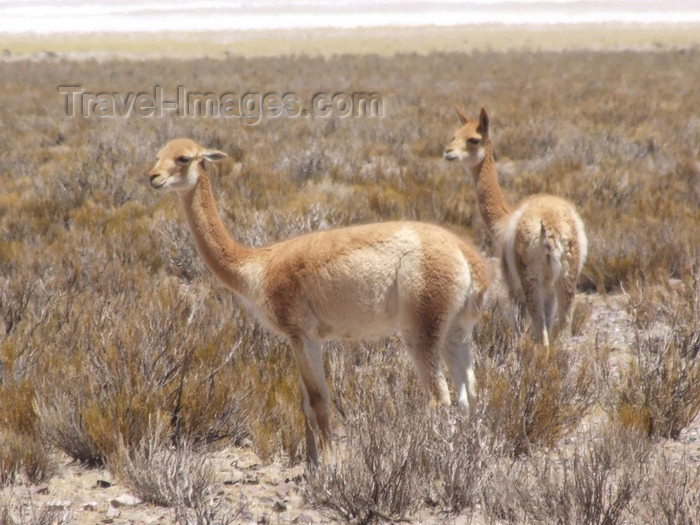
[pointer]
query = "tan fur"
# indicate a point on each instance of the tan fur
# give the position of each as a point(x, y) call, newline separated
point(541, 241)
point(358, 282)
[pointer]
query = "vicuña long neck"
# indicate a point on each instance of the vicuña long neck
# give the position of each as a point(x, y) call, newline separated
point(492, 205)
point(220, 252)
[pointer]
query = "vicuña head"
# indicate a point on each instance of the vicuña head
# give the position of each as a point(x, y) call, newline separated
point(358, 282)
point(541, 240)
point(468, 143)
point(180, 163)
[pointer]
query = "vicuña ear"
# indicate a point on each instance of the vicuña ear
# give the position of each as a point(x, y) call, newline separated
point(483, 122)
point(213, 155)
point(462, 116)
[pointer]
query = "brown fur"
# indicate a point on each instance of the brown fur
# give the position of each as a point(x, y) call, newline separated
point(358, 282)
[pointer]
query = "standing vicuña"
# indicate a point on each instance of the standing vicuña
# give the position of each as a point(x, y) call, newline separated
point(357, 282)
point(541, 241)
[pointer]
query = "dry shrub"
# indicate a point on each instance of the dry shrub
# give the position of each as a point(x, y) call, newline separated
point(17, 507)
point(394, 461)
point(605, 479)
point(23, 456)
point(613, 260)
point(266, 376)
point(177, 476)
point(378, 477)
point(660, 392)
point(143, 362)
point(179, 251)
point(460, 456)
point(597, 485)
point(64, 427)
point(17, 410)
point(498, 330)
point(535, 396)
point(395, 453)
point(276, 422)
point(498, 496)
point(376, 471)
point(671, 491)
point(580, 317)
point(14, 299)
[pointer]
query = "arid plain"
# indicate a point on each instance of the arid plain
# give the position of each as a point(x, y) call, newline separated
point(135, 389)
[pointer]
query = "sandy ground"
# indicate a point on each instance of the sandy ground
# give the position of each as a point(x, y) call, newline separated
point(329, 41)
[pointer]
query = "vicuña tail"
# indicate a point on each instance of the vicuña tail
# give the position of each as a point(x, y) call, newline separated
point(554, 252)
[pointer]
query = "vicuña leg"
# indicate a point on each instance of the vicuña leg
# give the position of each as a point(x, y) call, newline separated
point(550, 310)
point(566, 294)
point(315, 397)
point(535, 307)
point(311, 449)
point(424, 347)
point(457, 355)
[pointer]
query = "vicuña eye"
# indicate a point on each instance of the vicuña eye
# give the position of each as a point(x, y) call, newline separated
point(183, 159)
point(473, 140)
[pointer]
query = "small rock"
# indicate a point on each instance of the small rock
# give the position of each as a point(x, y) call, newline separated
point(42, 490)
point(112, 513)
point(282, 489)
point(103, 484)
point(125, 500)
point(59, 505)
point(90, 506)
point(251, 480)
point(279, 506)
point(137, 517)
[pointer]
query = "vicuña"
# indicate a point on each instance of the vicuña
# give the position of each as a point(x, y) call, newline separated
point(357, 282)
point(541, 240)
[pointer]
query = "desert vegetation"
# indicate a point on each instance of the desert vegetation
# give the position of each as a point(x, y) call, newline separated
point(119, 349)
